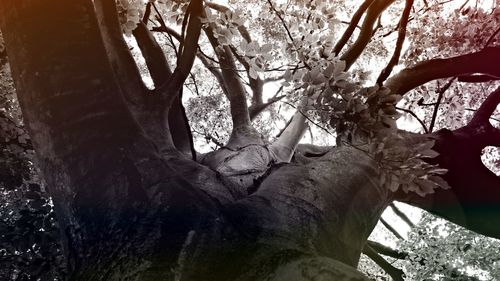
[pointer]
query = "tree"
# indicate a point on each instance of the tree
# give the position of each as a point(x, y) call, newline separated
point(135, 201)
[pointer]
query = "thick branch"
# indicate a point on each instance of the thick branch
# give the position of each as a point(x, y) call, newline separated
point(208, 65)
point(235, 89)
point(487, 108)
point(474, 198)
point(119, 55)
point(153, 54)
point(483, 62)
point(284, 146)
point(375, 9)
point(256, 84)
point(178, 124)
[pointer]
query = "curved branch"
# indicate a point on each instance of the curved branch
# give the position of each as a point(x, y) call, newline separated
point(477, 78)
point(484, 62)
point(487, 108)
point(416, 117)
point(391, 229)
point(352, 26)
point(366, 33)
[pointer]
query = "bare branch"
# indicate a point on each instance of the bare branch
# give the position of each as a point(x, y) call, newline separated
point(352, 26)
point(438, 103)
point(375, 9)
point(416, 117)
point(484, 62)
point(401, 215)
point(396, 273)
point(391, 229)
point(399, 43)
point(387, 251)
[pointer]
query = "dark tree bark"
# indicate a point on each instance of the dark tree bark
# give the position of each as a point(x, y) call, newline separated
point(132, 206)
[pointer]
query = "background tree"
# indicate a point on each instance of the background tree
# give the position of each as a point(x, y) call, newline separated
point(133, 198)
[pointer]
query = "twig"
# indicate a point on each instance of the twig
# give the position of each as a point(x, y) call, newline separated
point(416, 117)
point(438, 103)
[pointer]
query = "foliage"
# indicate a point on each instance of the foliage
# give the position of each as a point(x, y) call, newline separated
point(441, 249)
point(29, 235)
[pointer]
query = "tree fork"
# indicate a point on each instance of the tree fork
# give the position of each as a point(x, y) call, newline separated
point(474, 199)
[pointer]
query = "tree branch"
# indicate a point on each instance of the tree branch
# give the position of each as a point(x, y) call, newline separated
point(365, 35)
point(477, 78)
point(416, 117)
point(391, 229)
point(399, 43)
point(402, 215)
point(387, 251)
point(187, 53)
point(178, 124)
point(118, 52)
point(474, 198)
point(484, 62)
point(438, 103)
point(487, 108)
point(235, 90)
point(153, 54)
point(396, 273)
point(352, 26)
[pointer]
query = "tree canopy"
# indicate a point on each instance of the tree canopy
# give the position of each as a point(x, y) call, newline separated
point(256, 140)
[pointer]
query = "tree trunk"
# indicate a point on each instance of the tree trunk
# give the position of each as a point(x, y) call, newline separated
point(129, 212)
